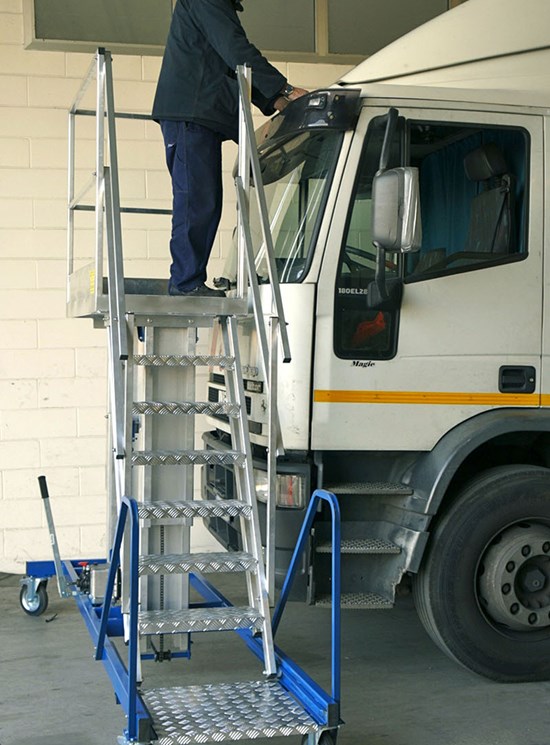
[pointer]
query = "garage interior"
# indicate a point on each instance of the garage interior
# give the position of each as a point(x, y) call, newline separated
point(397, 687)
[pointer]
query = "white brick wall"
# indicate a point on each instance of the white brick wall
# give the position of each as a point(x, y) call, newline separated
point(52, 369)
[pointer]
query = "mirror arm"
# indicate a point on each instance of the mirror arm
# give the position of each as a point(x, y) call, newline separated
point(380, 275)
point(393, 115)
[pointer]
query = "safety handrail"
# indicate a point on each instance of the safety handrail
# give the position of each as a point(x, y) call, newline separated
point(133, 705)
point(317, 497)
point(251, 161)
point(105, 116)
point(248, 163)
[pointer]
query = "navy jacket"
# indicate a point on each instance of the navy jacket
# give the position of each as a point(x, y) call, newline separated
point(197, 80)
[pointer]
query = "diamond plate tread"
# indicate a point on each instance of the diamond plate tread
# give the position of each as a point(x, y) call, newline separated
point(193, 508)
point(186, 407)
point(205, 562)
point(225, 712)
point(183, 360)
point(198, 619)
point(370, 488)
point(356, 601)
point(187, 457)
point(361, 546)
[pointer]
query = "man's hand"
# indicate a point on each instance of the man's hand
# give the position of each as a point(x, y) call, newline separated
point(283, 101)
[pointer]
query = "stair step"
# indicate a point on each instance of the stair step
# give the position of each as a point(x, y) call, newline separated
point(193, 508)
point(184, 360)
point(225, 712)
point(360, 546)
point(356, 601)
point(370, 488)
point(204, 562)
point(187, 457)
point(198, 619)
point(186, 407)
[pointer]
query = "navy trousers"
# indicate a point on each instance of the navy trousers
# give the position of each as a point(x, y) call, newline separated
point(193, 157)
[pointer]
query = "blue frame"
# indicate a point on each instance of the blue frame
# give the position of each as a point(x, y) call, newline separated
point(322, 707)
point(46, 569)
point(105, 621)
point(318, 496)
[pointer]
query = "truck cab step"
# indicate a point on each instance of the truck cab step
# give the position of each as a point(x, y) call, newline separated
point(370, 488)
point(198, 619)
point(360, 546)
point(357, 601)
point(225, 712)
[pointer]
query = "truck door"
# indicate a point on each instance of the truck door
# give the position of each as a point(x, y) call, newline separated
point(467, 335)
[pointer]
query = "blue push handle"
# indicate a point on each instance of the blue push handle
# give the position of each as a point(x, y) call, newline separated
point(318, 496)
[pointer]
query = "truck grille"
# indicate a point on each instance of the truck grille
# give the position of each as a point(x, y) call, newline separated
point(214, 397)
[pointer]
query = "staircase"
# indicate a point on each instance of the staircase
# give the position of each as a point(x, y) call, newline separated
point(153, 573)
point(217, 712)
point(380, 532)
point(167, 508)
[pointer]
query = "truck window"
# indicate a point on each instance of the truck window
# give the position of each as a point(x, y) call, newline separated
point(472, 196)
point(473, 207)
point(359, 332)
point(296, 176)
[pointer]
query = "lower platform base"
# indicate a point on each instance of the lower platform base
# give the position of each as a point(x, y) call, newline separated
point(225, 712)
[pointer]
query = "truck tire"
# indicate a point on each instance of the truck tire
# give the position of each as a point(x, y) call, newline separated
point(483, 590)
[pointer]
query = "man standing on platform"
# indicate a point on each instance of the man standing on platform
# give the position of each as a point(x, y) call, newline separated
point(197, 105)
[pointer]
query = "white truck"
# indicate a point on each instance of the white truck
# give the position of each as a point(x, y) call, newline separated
point(420, 374)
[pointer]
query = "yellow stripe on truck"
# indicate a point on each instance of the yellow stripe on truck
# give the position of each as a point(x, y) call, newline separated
point(431, 398)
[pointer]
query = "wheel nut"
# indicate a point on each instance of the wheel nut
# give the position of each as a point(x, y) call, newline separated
point(546, 547)
point(510, 566)
point(533, 580)
point(526, 550)
point(506, 589)
point(514, 609)
point(532, 618)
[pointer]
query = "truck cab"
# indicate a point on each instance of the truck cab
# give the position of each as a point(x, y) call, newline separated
point(418, 386)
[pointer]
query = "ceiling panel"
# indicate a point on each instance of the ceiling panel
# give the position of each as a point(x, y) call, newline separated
point(281, 25)
point(352, 28)
point(365, 26)
point(143, 22)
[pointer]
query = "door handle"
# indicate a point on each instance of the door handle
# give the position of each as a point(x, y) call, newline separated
point(517, 379)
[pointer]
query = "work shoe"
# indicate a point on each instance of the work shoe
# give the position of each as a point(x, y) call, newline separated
point(199, 291)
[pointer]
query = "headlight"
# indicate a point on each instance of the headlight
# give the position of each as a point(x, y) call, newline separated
point(290, 488)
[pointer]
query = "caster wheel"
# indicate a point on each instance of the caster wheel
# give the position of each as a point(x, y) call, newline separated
point(327, 738)
point(34, 604)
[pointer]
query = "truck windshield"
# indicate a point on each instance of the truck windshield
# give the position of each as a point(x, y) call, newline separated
point(296, 177)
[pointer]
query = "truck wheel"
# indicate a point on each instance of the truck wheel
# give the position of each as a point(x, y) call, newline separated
point(34, 604)
point(483, 590)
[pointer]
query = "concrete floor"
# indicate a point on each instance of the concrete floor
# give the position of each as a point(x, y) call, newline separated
point(398, 689)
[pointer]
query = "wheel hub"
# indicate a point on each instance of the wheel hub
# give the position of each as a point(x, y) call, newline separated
point(515, 581)
point(30, 600)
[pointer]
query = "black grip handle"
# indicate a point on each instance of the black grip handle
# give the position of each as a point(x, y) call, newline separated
point(517, 379)
point(43, 487)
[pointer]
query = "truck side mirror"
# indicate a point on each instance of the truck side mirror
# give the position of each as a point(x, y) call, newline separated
point(395, 227)
point(396, 210)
